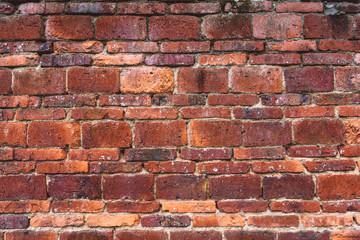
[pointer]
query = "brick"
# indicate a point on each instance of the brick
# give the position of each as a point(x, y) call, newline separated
point(345, 234)
point(12, 134)
point(295, 206)
point(53, 134)
point(314, 131)
point(138, 207)
point(92, 8)
point(298, 112)
point(242, 206)
point(5, 84)
point(23, 187)
point(226, 26)
point(155, 154)
point(78, 47)
point(259, 153)
point(6, 8)
point(348, 111)
point(274, 221)
point(90, 235)
point(69, 27)
point(113, 221)
point(185, 47)
point(39, 154)
point(205, 112)
point(57, 221)
point(132, 47)
point(337, 99)
point(206, 154)
point(195, 8)
point(309, 79)
point(350, 151)
point(26, 46)
point(40, 114)
point(16, 167)
point(277, 166)
point(224, 167)
point(41, 8)
point(339, 45)
point(247, 46)
point(147, 80)
point(215, 133)
point(19, 101)
point(258, 235)
point(142, 187)
point(6, 154)
point(21, 28)
point(256, 79)
point(285, 100)
point(117, 60)
point(69, 101)
point(322, 26)
point(89, 80)
point(357, 59)
point(347, 78)
point(143, 8)
point(159, 134)
point(352, 131)
point(326, 220)
point(198, 80)
point(6, 115)
point(48, 60)
point(275, 59)
point(165, 221)
point(267, 133)
point(77, 206)
point(326, 59)
point(292, 45)
point(243, 7)
point(95, 113)
point(337, 186)
point(330, 165)
point(288, 186)
point(226, 59)
point(302, 235)
point(114, 167)
point(169, 60)
point(181, 187)
point(170, 167)
point(188, 206)
point(341, 207)
point(150, 235)
point(62, 167)
point(233, 100)
point(106, 134)
point(14, 222)
point(277, 26)
point(258, 113)
point(195, 235)
point(74, 186)
point(219, 220)
point(312, 151)
point(173, 27)
point(32, 235)
point(178, 100)
point(300, 7)
point(124, 100)
point(235, 187)
point(19, 60)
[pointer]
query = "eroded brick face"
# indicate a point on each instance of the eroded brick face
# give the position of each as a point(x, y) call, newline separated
point(179, 120)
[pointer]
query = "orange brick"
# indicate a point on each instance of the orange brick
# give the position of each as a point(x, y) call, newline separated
point(62, 167)
point(57, 220)
point(219, 221)
point(326, 220)
point(113, 220)
point(226, 59)
point(188, 206)
point(77, 206)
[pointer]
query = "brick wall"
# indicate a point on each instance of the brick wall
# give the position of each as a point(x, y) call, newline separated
point(167, 120)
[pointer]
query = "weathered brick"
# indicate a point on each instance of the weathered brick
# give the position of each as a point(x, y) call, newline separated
point(165, 221)
point(298, 112)
point(206, 154)
point(188, 206)
point(12, 134)
point(14, 222)
point(224, 167)
point(21, 28)
point(304, 235)
point(185, 47)
point(155, 154)
point(205, 112)
point(95, 113)
point(341, 207)
point(23, 187)
point(258, 113)
point(77, 206)
point(16, 167)
point(40, 114)
point(69, 27)
point(19, 60)
point(69, 101)
point(19, 101)
point(350, 151)
point(114, 167)
point(117, 60)
point(48, 60)
point(259, 153)
point(337, 187)
point(170, 167)
point(300, 7)
point(326, 220)
point(254, 235)
point(337, 99)
point(195, 8)
point(295, 206)
point(78, 47)
point(32, 235)
point(243, 7)
point(195, 235)
point(138, 207)
point(92, 8)
point(219, 221)
point(124, 100)
point(169, 60)
point(57, 220)
point(347, 78)
point(242, 206)
point(247, 46)
point(233, 100)
point(132, 47)
point(339, 45)
point(312, 151)
point(6, 8)
point(41, 8)
point(5, 83)
point(274, 221)
point(178, 100)
point(326, 59)
point(277, 166)
point(226, 59)
point(90, 235)
point(113, 221)
point(292, 45)
point(39, 154)
point(275, 59)
point(150, 235)
point(285, 100)
point(142, 8)
point(25, 46)
point(330, 165)
point(62, 167)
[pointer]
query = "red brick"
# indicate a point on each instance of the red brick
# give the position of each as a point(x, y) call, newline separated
point(346, 234)
point(181, 187)
point(195, 235)
point(179, 100)
point(117, 60)
point(62, 167)
point(295, 206)
point(173, 27)
point(242, 206)
point(348, 111)
point(341, 207)
point(274, 221)
point(258, 113)
point(21, 28)
point(195, 8)
point(326, 59)
point(22, 187)
point(312, 151)
point(303, 235)
point(5, 83)
point(113, 220)
point(215, 133)
point(78, 47)
point(95, 113)
point(247, 235)
point(106, 134)
point(318, 131)
point(17, 167)
point(88, 235)
point(92, 8)
point(6, 115)
point(226, 59)
point(206, 154)
point(347, 78)
point(19, 101)
point(132, 47)
point(277, 166)
point(275, 59)
point(259, 153)
point(169, 60)
point(138, 207)
point(114, 167)
point(120, 28)
point(300, 7)
point(223, 168)
point(14, 222)
point(77, 206)
point(158, 134)
point(170, 167)
point(267, 133)
point(40, 114)
point(48, 60)
point(339, 45)
point(90, 80)
point(345, 186)
point(326, 220)
point(243, 7)
point(155, 154)
point(233, 100)
point(39, 154)
point(147, 80)
point(322, 26)
point(31, 235)
point(41, 8)
point(256, 79)
point(226, 26)
point(299, 112)
point(69, 27)
point(6, 8)
point(74, 186)
point(248, 46)
point(54, 134)
point(185, 47)
point(69, 101)
point(337, 99)
point(277, 26)
point(12, 134)
point(6, 154)
point(205, 112)
point(219, 220)
point(292, 45)
point(133, 235)
point(288, 186)
point(19, 60)
point(142, 187)
point(330, 165)
point(357, 59)
point(124, 100)
point(285, 100)
point(350, 151)
point(165, 221)
point(142, 8)
point(189, 206)
point(235, 187)
point(26, 46)
point(309, 79)
point(56, 220)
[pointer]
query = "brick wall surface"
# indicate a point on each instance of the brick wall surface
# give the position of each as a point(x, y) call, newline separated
point(179, 120)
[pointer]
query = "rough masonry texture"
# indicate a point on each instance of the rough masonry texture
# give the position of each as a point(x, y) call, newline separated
point(179, 120)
